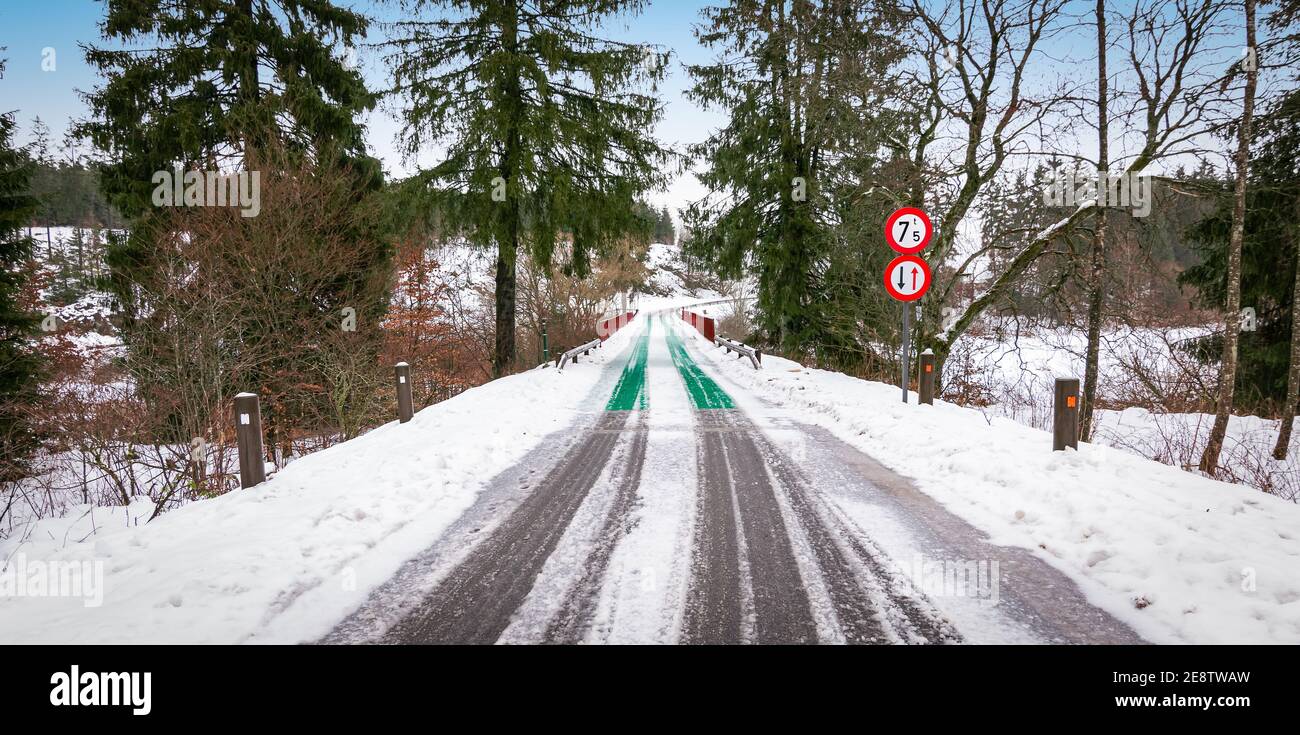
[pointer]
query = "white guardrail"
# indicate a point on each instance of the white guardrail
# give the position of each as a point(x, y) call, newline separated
point(573, 353)
point(754, 354)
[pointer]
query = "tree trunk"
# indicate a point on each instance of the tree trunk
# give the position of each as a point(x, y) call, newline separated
point(1292, 396)
point(503, 357)
point(1232, 309)
point(249, 91)
point(1097, 276)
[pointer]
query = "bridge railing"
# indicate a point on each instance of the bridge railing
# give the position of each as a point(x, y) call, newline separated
point(703, 324)
point(572, 354)
point(754, 354)
point(605, 328)
point(248, 415)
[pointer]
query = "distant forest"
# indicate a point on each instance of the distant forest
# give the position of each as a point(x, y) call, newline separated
point(66, 186)
point(68, 194)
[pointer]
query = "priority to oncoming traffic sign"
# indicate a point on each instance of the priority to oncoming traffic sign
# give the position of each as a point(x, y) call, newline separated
point(907, 278)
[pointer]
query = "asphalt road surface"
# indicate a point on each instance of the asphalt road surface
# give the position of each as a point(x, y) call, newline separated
point(766, 549)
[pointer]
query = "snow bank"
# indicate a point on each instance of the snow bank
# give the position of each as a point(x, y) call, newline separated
point(1016, 364)
point(1179, 438)
point(1177, 556)
point(287, 559)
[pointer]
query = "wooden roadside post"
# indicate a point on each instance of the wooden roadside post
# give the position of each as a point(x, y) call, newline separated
point(405, 407)
point(927, 377)
point(248, 431)
point(1065, 415)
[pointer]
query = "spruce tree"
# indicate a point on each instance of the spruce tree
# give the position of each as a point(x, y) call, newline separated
point(1268, 259)
point(802, 84)
point(544, 126)
point(202, 85)
point(665, 232)
point(259, 86)
point(19, 363)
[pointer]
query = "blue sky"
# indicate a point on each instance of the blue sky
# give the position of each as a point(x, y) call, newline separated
point(28, 28)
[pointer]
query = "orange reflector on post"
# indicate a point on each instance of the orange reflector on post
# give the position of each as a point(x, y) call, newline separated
point(1070, 401)
point(929, 368)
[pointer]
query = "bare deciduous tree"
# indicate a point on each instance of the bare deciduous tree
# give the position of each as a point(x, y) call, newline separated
point(1232, 306)
point(1097, 274)
point(1165, 41)
point(286, 304)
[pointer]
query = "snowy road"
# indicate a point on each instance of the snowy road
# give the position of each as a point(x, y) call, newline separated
point(682, 513)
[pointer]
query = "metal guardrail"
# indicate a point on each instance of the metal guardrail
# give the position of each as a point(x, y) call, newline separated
point(754, 354)
point(715, 302)
point(572, 354)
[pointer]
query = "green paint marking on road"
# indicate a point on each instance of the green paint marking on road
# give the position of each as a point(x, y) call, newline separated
point(705, 394)
point(630, 391)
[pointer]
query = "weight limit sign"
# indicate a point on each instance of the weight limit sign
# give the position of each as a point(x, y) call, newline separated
point(908, 230)
point(907, 278)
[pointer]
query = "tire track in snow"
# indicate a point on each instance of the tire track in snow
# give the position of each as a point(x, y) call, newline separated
point(746, 584)
point(782, 611)
point(644, 589)
point(480, 597)
point(476, 601)
point(1037, 603)
point(885, 527)
point(713, 605)
point(571, 621)
point(872, 603)
point(869, 603)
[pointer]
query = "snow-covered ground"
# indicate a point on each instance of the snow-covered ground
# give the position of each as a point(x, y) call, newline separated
point(300, 551)
point(670, 293)
point(670, 277)
point(1014, 367)
point(1179, 557)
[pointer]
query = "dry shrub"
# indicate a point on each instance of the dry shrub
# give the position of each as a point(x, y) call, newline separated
point(570, 306)
point(419, 328)
point(285, 304)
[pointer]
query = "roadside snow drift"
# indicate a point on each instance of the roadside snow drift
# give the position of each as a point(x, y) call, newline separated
point(284, 561)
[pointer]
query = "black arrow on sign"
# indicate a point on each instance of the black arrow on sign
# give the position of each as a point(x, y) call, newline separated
point(901, 283)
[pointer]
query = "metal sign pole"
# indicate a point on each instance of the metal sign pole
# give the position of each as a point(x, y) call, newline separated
point(907, 342)
point(907, 231)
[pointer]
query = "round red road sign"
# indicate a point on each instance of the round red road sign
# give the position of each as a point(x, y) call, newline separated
point(908, 230)
point(907, 278)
